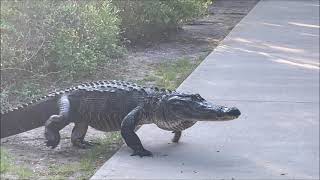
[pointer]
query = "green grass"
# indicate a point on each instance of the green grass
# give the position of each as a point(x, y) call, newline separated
point(84, 168)
point(90, 161)
point(172, 73)
point(7, 166)
point(62, 171)
point(23, 172)
point(5, 162)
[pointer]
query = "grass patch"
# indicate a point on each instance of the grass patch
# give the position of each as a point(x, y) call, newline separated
point(91, 161)
point(5, 162)
point(8, 167)
point(62, 171)
point(171, 74)
point(23, 172)
point(83, 169)
point(100, 153)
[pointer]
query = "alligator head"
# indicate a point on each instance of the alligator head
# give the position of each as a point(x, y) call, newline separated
point(192, 107)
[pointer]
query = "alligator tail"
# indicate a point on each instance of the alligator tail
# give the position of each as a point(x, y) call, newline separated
point(28, 116)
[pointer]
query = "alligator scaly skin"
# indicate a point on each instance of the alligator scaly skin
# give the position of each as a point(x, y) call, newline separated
point(112, 106)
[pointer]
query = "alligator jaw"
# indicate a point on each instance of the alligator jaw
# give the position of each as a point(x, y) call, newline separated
point(215, 113)
point(227, 113)
point(192, 107)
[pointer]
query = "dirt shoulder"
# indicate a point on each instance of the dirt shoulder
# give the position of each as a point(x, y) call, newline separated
point(30, 158)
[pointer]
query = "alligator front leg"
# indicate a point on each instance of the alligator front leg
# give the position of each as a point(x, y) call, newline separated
point(130, 137)
point(56, 122)
point(176, 137)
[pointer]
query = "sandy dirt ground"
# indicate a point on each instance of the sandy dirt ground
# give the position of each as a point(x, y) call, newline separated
point(194, 40)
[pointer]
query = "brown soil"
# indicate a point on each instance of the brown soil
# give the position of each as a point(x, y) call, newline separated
point(193, 41)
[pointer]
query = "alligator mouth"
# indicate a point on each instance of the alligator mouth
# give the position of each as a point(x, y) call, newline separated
point(216, 113)
point(201, 111)
point(233, 112)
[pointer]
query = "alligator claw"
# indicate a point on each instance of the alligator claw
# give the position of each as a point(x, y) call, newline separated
point(142, 153)
point(51, 144)
point(85, 144)
point(90, 143)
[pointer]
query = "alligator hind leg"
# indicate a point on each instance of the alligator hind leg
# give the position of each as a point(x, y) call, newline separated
point(78, 133)
point(56, 122)
point(176, 137)
point(130, 137)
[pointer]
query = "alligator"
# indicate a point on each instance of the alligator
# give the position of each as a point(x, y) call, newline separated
point(112, 106)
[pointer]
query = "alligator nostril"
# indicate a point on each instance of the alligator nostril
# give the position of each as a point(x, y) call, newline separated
point(234, 112)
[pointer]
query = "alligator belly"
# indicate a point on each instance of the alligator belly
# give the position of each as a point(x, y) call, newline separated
point(107, 123)
point(175, 125)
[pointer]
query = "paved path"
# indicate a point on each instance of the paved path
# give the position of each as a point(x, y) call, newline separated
point(268, 66)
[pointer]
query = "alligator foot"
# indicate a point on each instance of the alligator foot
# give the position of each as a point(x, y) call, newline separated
point(141, 153)
point(90, 143)
point(85, 144)
point(53, 138)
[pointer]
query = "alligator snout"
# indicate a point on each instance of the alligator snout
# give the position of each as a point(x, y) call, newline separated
point(233, 112)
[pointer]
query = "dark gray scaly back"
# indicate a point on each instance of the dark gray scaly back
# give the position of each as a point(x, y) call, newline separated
point(103, 104)
point(106, 103)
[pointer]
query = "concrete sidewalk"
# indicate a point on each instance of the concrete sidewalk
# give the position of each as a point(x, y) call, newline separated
point(268, 67)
